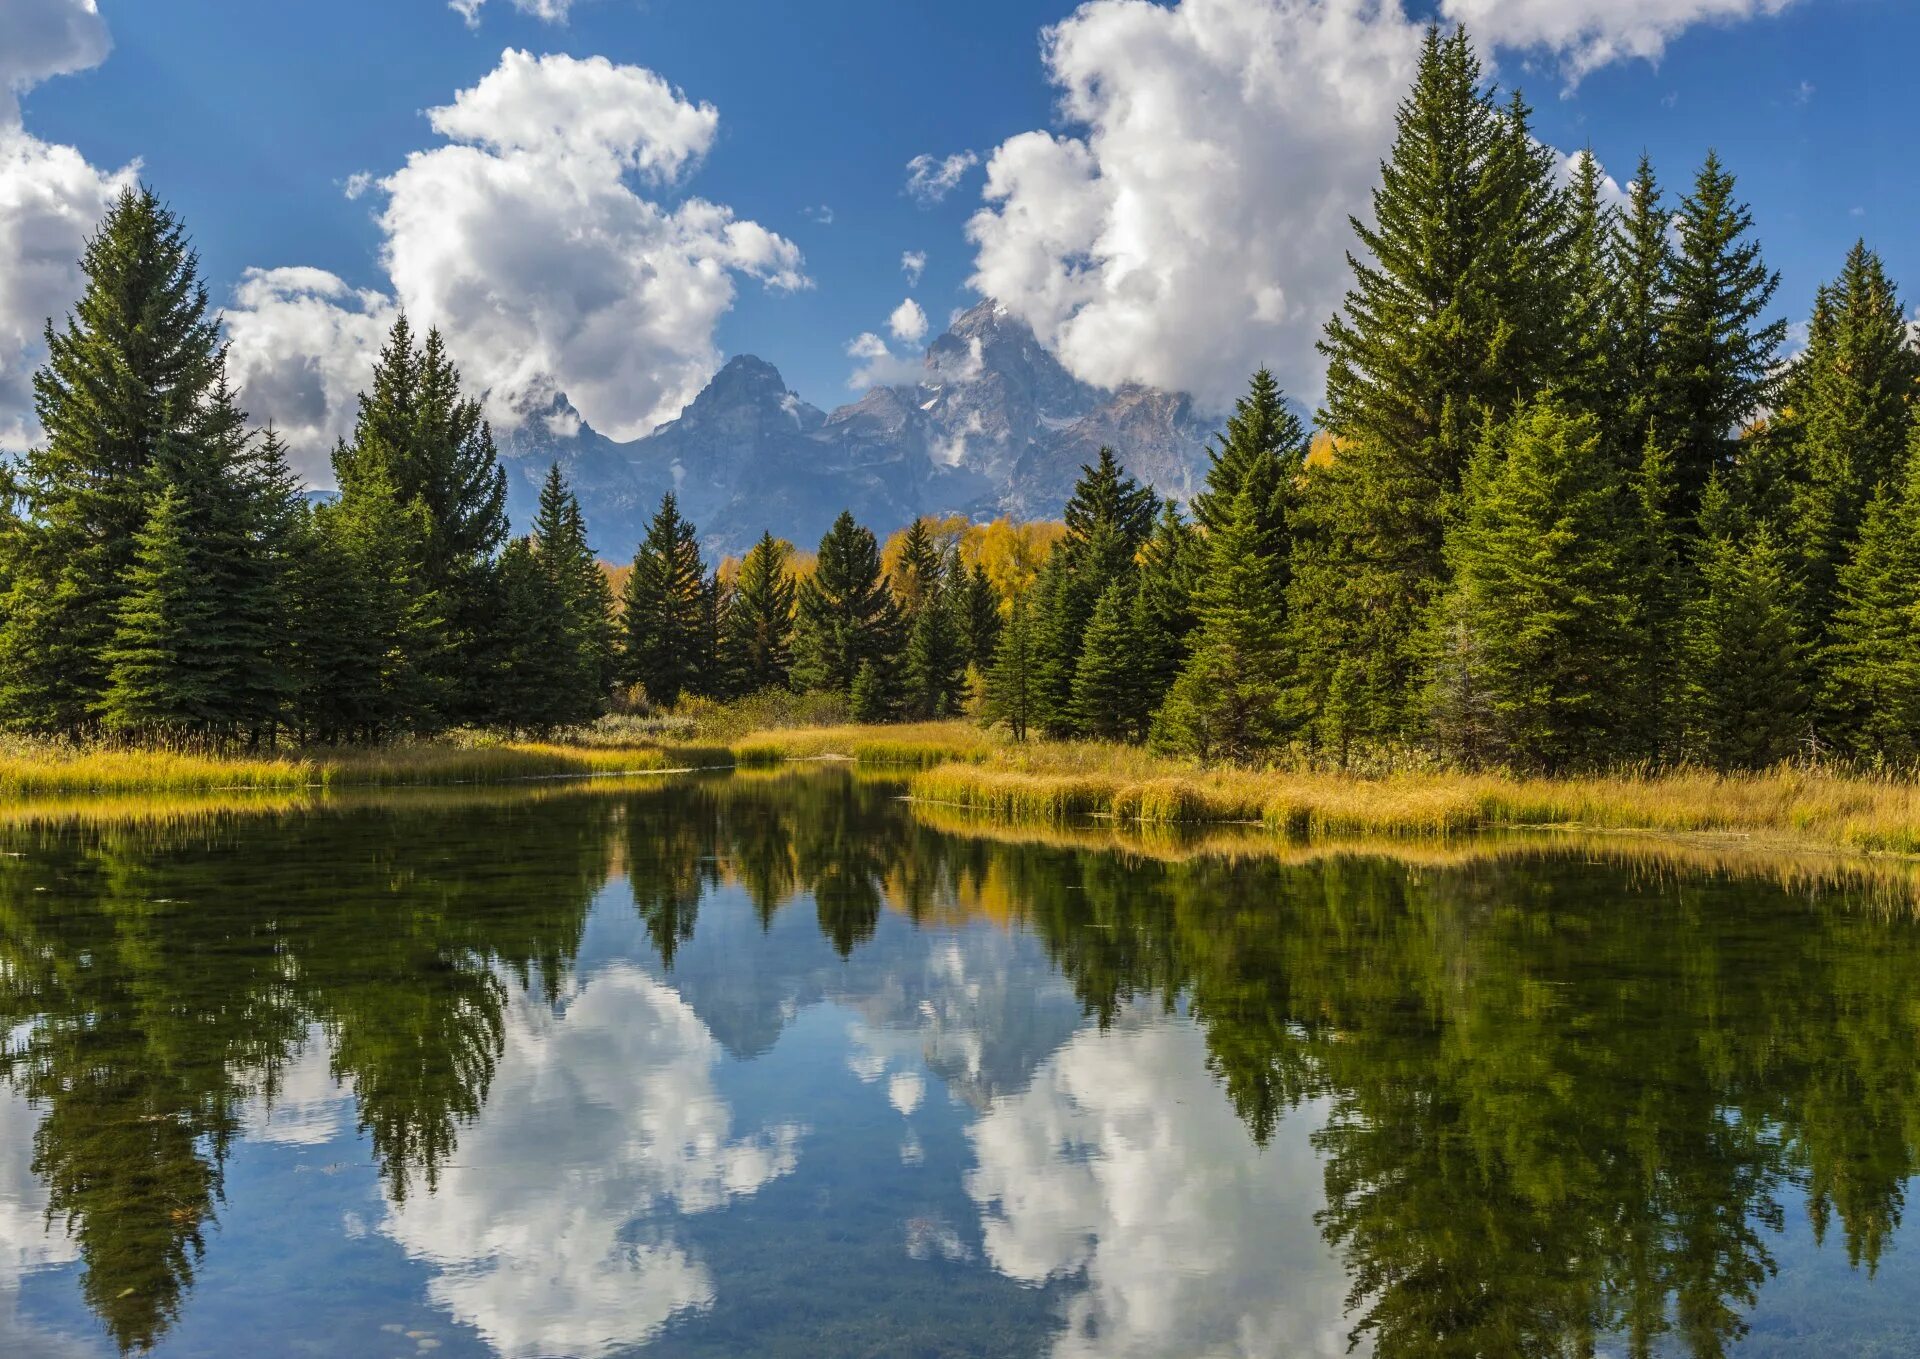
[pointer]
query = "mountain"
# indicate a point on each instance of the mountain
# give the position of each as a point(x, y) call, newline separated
point(995, 425)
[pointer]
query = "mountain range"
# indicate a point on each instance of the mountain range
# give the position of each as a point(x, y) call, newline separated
point(993, 426)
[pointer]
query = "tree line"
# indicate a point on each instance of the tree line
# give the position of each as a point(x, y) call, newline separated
point(1569, 506)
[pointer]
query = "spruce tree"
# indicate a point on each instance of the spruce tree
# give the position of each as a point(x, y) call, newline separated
point(845, 616)
point(870, 698)
point(582, 634)
point(1870, 691)
point(1717, 353)
point(665, 609)
point(1010, 697)
point(1166, 604)
point(917, 576)
point(1745, 659)
point(1639, 299)
point(979, 609)
point(1263, 437)
point(127, 373)
point(1845, 412)
point(1590, 376)
point(935, 666)
point(1540, 610)
point(164, 666)
point(756, 650)
point(1232, 698)
point(538, 687)
point(1109, 703)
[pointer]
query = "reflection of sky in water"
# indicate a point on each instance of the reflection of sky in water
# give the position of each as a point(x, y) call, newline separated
point(773, 1150)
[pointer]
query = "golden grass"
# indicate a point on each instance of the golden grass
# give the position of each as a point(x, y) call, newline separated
point(913, 746)
point(1789, 806)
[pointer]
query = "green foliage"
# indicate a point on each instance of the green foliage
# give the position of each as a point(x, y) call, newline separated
point(846, 619)
point(979, 607)
point(1166, 605)
point(1870, 695)
point(1109, 702)
point(665, 612)
point(870, 698)
point(1535, 640)
point(1745, 655)
point(756, 645)
point(164, 678)
point(936, 661)
point(1011, 683)
point(1232, 698)
point(1264, 440)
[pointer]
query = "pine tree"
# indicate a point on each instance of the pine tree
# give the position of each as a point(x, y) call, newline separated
point(576, 589)
point(1846, 408)
point(1010, 683)
point(1591, 368)
point(1108, 701)
point(128, 373)
point(980, 620)
point(1717, 356)
point(537, 689)
point(936, 664)
point(664, 609)
point(870, 699)
point(1109, 518)
point(1639, 300)
point(1746, 698)
point(1540, 608)
point(164, 674)
point(1263, 437)
point(757, 648)
point(1870, 694)
point(1232, 698)
point(917, 576)
point(1458, 313)
point(1166, 604)
point(845, 616)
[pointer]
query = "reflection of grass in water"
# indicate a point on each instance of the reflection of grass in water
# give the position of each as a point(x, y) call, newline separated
point(1892, 882)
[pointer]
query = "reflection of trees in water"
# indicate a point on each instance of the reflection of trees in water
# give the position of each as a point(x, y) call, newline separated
point(1563, 1105)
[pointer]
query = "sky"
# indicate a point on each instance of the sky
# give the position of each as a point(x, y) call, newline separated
point(606, 198)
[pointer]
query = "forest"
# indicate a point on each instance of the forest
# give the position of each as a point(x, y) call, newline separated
point(1569, 503)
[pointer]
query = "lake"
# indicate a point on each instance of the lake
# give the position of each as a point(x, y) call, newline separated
point(781, 1065)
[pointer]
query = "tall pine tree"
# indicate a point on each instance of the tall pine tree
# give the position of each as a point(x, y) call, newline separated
point(756, 649)
point(665, 611)
point(846, 619)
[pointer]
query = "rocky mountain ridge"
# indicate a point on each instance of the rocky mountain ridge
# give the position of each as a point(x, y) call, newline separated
point(995, 425)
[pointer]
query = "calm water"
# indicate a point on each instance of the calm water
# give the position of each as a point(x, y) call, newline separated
point(764, 1067)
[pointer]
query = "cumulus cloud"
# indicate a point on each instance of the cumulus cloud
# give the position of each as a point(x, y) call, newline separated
point(908, 323)
point(553, 1234)
point(932, 178)
point(1189, 220)
point(527, 238)
point(913, 263)
point(1588, 34)
point(50, 197)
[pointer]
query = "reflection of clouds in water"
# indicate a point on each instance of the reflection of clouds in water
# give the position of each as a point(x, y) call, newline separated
point(28, 1242)
point(905, 1091)
point(598, 1116)
point(1124, 1159)
point(309, 1106)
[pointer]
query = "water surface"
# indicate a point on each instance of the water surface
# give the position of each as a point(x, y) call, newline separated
point(771, 1066)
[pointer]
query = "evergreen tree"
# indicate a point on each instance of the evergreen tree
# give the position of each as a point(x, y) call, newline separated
point(1589, 381)
point(1846, 408)
point(1011, 681)
point(870, 699)
point(580, 669)
point(1458, 312)
point(1656, 581)
point(1109, 518)
point(1717, 354)
point(127, 374)
point(1870, 695)
point(757, 648)
point(665, 609)
point(1166, 604)
point(845, 616)
point(1639, 300)
point(1263, 438)
point(1232, 698)
point(1108, 701)
point(539, 686)
point(164, 674)
point(979, 607)
point(1746, 698)
point(936, 661)
point(917, 575)
point(1539, 612)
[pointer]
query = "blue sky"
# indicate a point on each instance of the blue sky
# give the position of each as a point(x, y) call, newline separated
point(251, 118)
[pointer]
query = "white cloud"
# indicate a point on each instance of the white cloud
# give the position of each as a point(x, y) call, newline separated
point(553, 11)
point(879, 365)
point(1189, 222)
point(931, 178)
point(553, 1232)
point(50, 197)
point(40, 39)
point(302, 346)
point(913, 263)
point(1122, 1173)
point(821, 215)
point(908, 323)
point(1588, 34)
point(524, 239)
point(357, 184)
